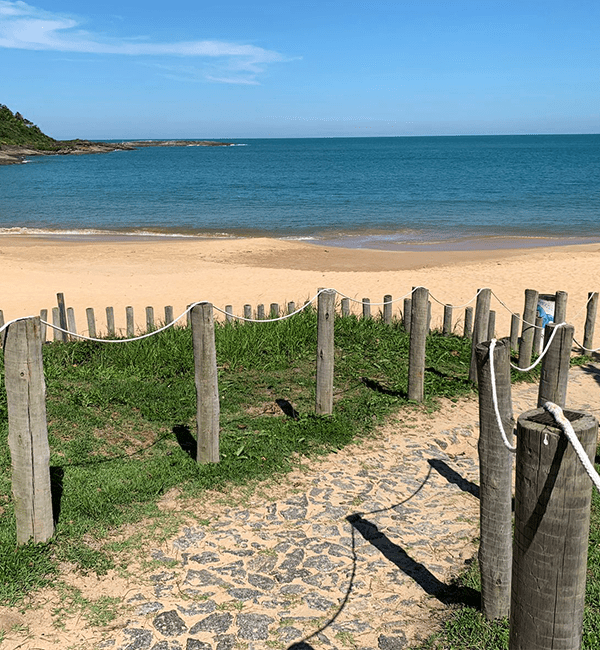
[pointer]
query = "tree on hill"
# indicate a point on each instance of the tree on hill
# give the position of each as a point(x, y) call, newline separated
point(18, 131)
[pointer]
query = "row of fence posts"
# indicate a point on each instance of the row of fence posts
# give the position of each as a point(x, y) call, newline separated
point(537, 576)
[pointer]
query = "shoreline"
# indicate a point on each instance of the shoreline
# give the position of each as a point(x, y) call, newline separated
point(236, 272)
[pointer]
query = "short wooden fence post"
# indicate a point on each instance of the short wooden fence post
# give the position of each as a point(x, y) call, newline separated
point(515, 322)
point(529, 316)
point(150, 319)
point(491, 333)
point(110, 322)
point(62, 317)
point(91, 322)
point(168, 314)
point(495, 478)
point(248, 311)
point(468, 328)
point(560, 306)
point(71, 320)
point(273, 310)
point(537, 336)
point(417, 344)
point(291, 307)
point(387, 309)
point(43, 317)
point(554, 377)
point(57, 334)
point(480, 327)
point(207, 388)
point(447, 326)
point(366, 308)
point(260, 312)
point(590, 322)
point(28, 431)
point(228, 313)
point(129, 322)
point(325, 352)
point(345, 306)
point(407, 315)
point(552, 518)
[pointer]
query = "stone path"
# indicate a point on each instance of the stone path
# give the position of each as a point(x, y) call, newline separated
point(357, 552)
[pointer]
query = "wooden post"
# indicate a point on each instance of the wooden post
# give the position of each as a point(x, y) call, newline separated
point(325, 352)
point(188, 318)
point(28, 431)
point(529, 315)
point(291, 307)
point(366, 308)
point(515, 321)
point(447, 326)
point(91, 322)
point(345, 306)
point(273, 310)
point(406, 317)
point(418, 340)
point(537, 336)
point(110, 322)
point(62, 316)
point(130, 322)
point(491, 333)
point(552, 517)
point(1, 318)
point(71, 321)
point(247, 311)
point(555, 366)
point(168, 314)
point(590, 321)
point(57, 335)
point(228, 313)
point(260, 312)
point(150, 319)
point(560, 306)
point(43, 317)
point(495, 478)
point(428, 317)
point(480, 327)
point(387, 309)
point(207, 388)
point(468, 329)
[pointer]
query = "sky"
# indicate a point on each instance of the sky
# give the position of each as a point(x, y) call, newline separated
point(233, 69)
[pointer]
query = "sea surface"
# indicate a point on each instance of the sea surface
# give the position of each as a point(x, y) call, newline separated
point(406, 193)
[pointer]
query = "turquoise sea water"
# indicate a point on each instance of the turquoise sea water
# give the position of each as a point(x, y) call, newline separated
point(377, 192)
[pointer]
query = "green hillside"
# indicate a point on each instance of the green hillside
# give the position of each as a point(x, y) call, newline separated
point(16, 130)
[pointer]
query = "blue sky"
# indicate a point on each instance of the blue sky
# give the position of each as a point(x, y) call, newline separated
point(230, 69)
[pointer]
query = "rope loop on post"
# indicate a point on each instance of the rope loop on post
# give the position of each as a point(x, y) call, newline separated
point(495, 399)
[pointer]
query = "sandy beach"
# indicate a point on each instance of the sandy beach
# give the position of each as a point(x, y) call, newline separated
point(158, 272)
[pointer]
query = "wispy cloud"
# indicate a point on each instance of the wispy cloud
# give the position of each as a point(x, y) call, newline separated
point(23, 26)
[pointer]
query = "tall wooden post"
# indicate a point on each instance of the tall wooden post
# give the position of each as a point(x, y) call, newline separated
point(366, 308)
point(206, 378)
point(28, 431)
point(91, 322)
point(590, 321)
point(495, 477)
point(480, 328)
point(560, 306)
point(387, 309)
point(529, 315)
point(447, 326)
point(515, 321)
point(406, 317)
point(62, 317)
point(417, 344)
point(468, 329)
point(554, 377)
point(552, 517)
point(325, 352)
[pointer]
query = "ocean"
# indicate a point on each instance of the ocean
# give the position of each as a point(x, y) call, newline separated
point(406, 193)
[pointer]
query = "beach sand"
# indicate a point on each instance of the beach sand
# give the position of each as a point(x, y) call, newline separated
point(158, 272)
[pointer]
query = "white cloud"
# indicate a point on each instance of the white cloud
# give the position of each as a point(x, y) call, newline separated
point(23, 26)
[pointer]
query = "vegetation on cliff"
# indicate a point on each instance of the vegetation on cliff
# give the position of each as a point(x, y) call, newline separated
point(17, 131)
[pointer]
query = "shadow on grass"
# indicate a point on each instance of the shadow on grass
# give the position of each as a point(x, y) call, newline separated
point(186, 440)
point(380, 388)
point(454, 477)
point(287, 408)
point(56, 490)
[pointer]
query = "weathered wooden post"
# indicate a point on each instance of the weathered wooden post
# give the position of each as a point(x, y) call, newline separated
point(43, 317)
point(417, 344)
point(590, 321)
point(150, 319)
point(260, 312)
point(1, 318)
point(57, 334)
point(491, 326)
point(447, 326)
point(110, 322)
point(247, 311)
point(71, 320)
point(537, 336)
point(515, 322)
point(228, 313)
point(91, 322)
point(480, 328)
point(325, 352)
point(560, 306)
point(495, 478)
point(552, 517)
point(554, 377)
point(366, 308)
point(387, 309)
point(273, 310)
point(28, 431)
point(468, 329)
point(129, 322)
point(206, 378)
point(428, 317)
point(529, 314)
point(168, 314)
point(62, 317)
point(407, 315)
point(345, 306)
point(291, 307)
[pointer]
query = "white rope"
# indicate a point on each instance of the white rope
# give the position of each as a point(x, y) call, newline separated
point(565, 425)
point(495, 399)
point(376, 304)
point(439, 302)
point(583, 347)
point(510, 311)
point(533, 365)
